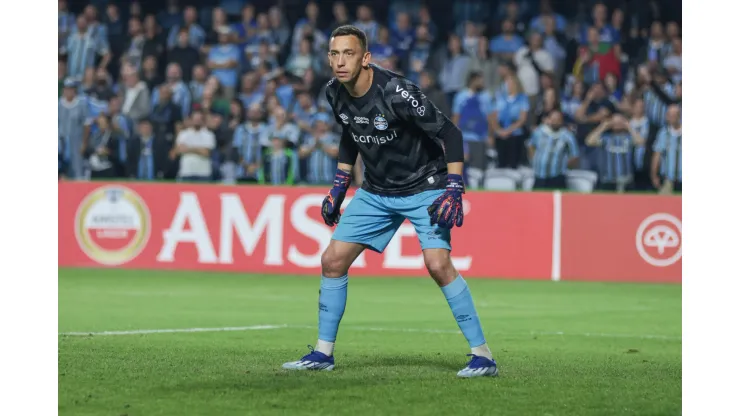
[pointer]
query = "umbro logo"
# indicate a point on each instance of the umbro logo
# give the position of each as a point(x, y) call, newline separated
point(345, 118)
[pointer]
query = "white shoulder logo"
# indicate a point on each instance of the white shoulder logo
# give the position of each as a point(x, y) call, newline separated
point(410, 99)
point(345, 118)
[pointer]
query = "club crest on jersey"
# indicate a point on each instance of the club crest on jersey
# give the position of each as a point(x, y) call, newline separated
point(380, 122)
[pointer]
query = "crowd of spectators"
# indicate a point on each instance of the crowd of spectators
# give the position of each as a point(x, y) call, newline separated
point(235, 92)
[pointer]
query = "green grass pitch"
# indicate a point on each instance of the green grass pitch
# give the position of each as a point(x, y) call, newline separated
point(563, 348)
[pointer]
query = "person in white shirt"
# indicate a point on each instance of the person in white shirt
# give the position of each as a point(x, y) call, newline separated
point(194, 146)
point(531, 61)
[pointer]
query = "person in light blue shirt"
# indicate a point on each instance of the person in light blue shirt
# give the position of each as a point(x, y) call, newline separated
point(667, 166)
point(616, 137)
point(319, 151)
point(509, 118)
point(552, 149)
point(505, 45)
point(472, 111)
point(196, 34)
point(224, 61)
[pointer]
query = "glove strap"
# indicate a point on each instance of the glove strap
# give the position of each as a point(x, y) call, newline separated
point(342, 180)
point(455, 183)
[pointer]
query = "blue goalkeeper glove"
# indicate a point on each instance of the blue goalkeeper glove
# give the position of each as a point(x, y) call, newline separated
point(447, 210)
point(333, 202)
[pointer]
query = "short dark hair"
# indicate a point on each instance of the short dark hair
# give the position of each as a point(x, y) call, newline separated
point(349, 30)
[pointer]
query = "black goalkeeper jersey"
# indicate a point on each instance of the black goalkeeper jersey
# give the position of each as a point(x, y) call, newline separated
point(395, 129)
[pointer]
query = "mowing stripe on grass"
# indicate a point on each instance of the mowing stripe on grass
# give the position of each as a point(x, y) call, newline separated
point(369, 329)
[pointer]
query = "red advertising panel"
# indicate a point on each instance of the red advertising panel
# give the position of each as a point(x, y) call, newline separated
point(621, 238)
point(259, 229)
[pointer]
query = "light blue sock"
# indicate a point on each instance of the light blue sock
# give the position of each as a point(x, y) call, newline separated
point(332, 300)
point(461, 303)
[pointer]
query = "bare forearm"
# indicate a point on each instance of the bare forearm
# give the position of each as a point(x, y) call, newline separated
point(455, 168)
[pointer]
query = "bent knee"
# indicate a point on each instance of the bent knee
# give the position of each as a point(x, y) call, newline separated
point(333, 264)
point(440, 267)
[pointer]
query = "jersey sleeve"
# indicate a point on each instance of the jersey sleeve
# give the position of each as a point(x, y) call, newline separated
point(331, 97)
point(573, 151)
point(410, 104)
point(348, 150)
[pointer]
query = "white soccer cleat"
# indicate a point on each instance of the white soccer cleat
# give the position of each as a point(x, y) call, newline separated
point(315, 360)
point(479, 367)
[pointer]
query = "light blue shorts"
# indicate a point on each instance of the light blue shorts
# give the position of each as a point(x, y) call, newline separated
point(372, 220)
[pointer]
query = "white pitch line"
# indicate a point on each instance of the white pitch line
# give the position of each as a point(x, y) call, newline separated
point(174, 331)
point(368, 329)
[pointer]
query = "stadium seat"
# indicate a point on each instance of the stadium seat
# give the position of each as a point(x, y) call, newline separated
point(584, 174)
point(528, 183)
point(499, 183)
point(475, 178)
point(580, 184)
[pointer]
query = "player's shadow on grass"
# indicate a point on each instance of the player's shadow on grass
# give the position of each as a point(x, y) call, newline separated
point(433, 362)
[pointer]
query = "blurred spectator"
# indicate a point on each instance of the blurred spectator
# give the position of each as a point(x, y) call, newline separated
point(425, 18)
point(250, 93)
point(120, 121)
point(150, 73)
point(367, 23)
point(540, 22)
point(136, 101)
point(215, 123)
point(171, 16)
point(262, 55)
point(548, 103)
point(428, 84)
point(213, 99)
point(279, 28)
point(196, 35)
point(283, 129)
point(532, 62)
point(237, 116)
point(656, 48)
point(279, 164)
point(95, 29)
point(298, 63)
point(83, 48)
point(73, 113)
point(65, 22)
point(640, 124)
point(148, 154)
point(594, 61)
point(247, 26)
point(672, 31)
point(616, 137)
point(248, 140)
point(613, 90)
point(117, 30)
point(134, 9)
point(401, 36)
point(197, 83)
point(572, 101)
point(472, 111)
point(304, 112)
point(320, 150)
point(455, 69)
point(102, 88)
point(154, 45)
point(470, 38)
point(180, 92)
point(194, 146)
point(658, 96)
point(165, 114)
point(672, 63)
point(594, 110)
point(511, 10)
point(668, 154)
point(61, 74)
point(133, 54)
point(382, 49)
point(419, 53)
point(510, 117)
point(88, 80)
point(102, 150)
point(311, 20)
point(223, 61)
point(232, 7)
point(341, 16)
point(554, 43)
point(218, 24)
point(607, 35)
point(505, 45)
point(484, 62)
point(184, 54)
point(552, 149)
